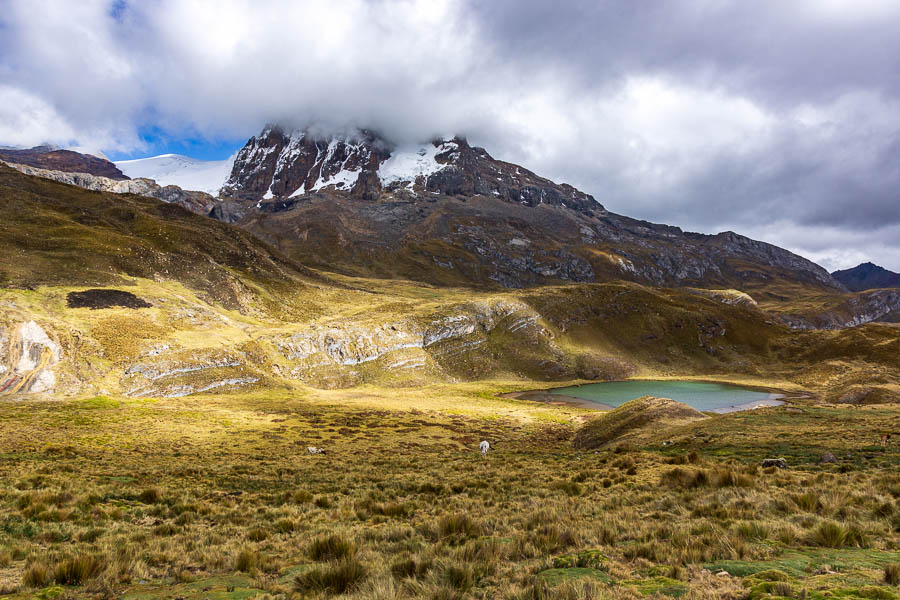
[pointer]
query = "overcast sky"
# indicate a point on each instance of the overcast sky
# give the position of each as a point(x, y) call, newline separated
point(778, 119)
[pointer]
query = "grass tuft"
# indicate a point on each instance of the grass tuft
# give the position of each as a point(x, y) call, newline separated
point(333, 547)
point(150, 496)
point(36, 575)
point(246, 560)
point(458, 525)
point(78, 569)
point(892, 574)
point(336, 578)
point(829, 535)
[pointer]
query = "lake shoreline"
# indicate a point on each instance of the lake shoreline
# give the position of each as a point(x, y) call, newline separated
point(548, 396)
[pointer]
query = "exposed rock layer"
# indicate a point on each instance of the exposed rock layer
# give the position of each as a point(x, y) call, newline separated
point(198, 202)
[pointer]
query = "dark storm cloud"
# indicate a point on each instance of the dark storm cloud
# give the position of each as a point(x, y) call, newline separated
point(775, 119)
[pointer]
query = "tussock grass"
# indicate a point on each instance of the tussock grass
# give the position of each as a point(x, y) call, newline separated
point(892, 574)
point(830, 534)
point(246, 560)
point(333, 547)
point(335, 578)
point(459, 526)
point(37, 575)
point(77, 570)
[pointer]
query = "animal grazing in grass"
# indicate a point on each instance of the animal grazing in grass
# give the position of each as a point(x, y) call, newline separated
point(314, 450)
point(485, 446)
point(886, 439)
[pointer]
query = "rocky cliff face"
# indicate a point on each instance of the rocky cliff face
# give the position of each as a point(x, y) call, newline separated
point(444, 212)
point(198, 202)
point(279, 165)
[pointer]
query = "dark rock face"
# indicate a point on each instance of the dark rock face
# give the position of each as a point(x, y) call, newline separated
point(68, 161)
point(445, 212)
point(867, 276)
point(278, 164)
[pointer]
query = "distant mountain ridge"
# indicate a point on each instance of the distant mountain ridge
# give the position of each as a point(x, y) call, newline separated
point(68, 161)
point(416, 228)
point(867, 276)
point(441, 212)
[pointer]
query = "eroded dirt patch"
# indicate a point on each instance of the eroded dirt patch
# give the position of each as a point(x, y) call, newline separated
point(101, 298)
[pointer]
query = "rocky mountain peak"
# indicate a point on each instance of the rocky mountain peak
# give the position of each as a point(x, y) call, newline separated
point(280, 164)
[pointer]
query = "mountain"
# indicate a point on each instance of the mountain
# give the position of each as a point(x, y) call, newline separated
point(174, 169)
point(68, 161)
point(867, 276)
point(447, 213)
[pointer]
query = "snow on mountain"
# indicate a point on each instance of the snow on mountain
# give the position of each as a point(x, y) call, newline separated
point(411, 162)
point(185, 172)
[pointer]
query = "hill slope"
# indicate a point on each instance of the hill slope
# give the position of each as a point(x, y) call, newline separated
point(636, 419)
point(54, 233)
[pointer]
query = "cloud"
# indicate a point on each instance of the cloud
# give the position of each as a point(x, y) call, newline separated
point(770, 118)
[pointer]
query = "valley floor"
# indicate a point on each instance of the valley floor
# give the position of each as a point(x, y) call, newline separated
point(217, 496)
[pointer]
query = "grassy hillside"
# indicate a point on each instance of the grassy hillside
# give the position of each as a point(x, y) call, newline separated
point(54, 233)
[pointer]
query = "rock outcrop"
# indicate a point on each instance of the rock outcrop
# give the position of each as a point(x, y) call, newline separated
point(343, 354)
point(857, 309)
point(27, 360)
point(198, 202)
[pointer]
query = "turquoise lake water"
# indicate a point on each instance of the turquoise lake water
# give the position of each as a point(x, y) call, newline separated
point(714, 397)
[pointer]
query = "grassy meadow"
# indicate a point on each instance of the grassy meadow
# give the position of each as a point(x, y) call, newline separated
point(217, 497)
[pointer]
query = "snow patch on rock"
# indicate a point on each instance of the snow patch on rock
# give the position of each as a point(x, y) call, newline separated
point(408, 163)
